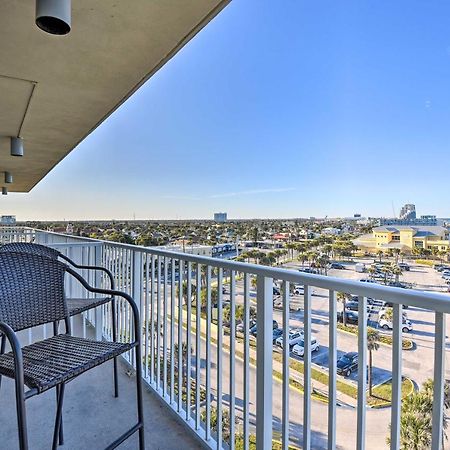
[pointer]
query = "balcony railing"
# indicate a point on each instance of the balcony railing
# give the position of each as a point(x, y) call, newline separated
point(206, 372)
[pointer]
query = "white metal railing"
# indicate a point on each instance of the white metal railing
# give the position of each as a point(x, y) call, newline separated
point(202, 370)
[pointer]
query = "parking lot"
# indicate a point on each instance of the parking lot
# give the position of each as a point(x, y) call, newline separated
point(417, 363)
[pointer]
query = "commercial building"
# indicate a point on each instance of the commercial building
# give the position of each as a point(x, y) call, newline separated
point(427, 220)
point(408, 212)
point(405, 238)
point(8, 220)
point(220, 217)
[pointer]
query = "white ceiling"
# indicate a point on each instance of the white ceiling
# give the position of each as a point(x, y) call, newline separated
point(55, 90)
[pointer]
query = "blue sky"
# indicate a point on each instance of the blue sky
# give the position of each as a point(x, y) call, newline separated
point(289, 108)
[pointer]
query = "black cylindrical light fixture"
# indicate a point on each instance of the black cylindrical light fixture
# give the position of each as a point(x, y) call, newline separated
point(54, 16)
point(16, 146)
point(8, 177)
point(4, 190)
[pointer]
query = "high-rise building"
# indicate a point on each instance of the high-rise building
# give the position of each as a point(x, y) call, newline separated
point(220, 217)
point(408, 212)
point(8, 220)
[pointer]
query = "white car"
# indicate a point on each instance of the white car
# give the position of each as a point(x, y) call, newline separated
point(299, 348)
point(387, 324)
point(295, 336)
point(299, 290)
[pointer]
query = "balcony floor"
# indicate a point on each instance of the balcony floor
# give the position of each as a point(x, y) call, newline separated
point(93, 418)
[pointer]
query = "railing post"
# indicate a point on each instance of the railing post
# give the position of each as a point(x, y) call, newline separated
point(136, 276)
point(264, 369)
point(41, 237)
point(98, 250)
point(438, 382)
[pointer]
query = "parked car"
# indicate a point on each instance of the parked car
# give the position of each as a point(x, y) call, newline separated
point(353, 306)
point(387, 324)
point(338, 266)
point(277, 332)
point(307, 270)
point(276, 290)
point(367, 280)
point(404, 266)
point(355, 298)
point(441, 268)
point(240, 326)
point(360, 267)
point(254, 328)
point(299, 290)
point(295, 336)
point(398, 284)
point(351, 316)
point(390, 305)
point(347, 364)
point(299, 349)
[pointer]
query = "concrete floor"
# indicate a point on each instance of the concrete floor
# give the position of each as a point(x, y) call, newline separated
point(93, 418)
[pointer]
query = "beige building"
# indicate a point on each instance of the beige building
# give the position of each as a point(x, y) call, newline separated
point(405, 238)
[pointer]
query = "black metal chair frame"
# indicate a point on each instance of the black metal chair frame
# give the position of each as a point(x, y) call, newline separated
point(22, 396)
point(38, 249)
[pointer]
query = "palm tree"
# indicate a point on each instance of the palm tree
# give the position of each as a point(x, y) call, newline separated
point(380, 254)
point(343, 297)
point(373, 344)
point(395, 270)
point(416, 418)
point(396, 252)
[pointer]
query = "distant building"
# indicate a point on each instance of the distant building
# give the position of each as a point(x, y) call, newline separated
point(8, 220)
point(224, 251)
point(220, 217)
point(332, 231)
point(405, 238)
point(426, 220)
point(201, 250)
point(408, 212)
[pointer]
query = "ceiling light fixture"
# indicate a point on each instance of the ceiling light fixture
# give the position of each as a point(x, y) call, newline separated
point(54, 16)
point(16, 146)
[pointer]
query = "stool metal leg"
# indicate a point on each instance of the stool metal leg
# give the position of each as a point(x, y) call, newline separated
point(58, 418)
point(61, 429)
point(140, 405)
point(114, 333)
point(20, 409)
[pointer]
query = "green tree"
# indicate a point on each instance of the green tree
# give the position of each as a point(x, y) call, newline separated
point(416, 418)
point(343, 297)
point(373, 344)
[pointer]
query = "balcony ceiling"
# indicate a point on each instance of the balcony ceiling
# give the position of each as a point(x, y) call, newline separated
point(55, 90)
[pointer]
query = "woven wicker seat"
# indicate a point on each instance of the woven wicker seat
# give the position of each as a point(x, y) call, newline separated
point(60, 358)
point(75, 305)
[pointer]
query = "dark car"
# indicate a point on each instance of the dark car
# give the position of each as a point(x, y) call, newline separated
point(391, 305)
point(347, 364)
point(351, 316)
point(277, 332)
point(353, 306)
point(404, 266)
point(308, 270)
point(254, 328)
point(337, 266)
point(370, 300)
